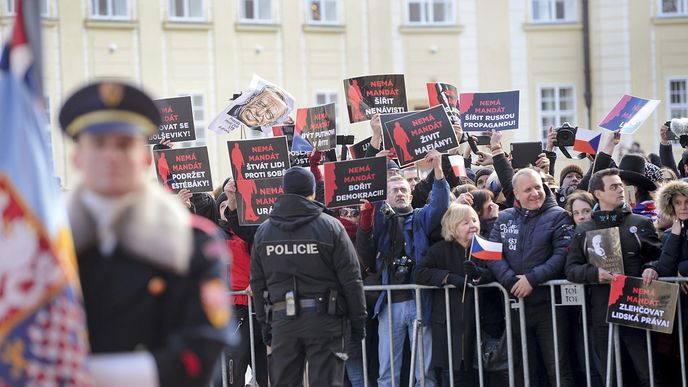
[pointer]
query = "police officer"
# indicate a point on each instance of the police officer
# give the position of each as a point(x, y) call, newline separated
point(150, 272)
point(304, 270)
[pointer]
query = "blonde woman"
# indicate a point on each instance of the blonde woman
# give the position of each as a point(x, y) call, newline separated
point(447, 263)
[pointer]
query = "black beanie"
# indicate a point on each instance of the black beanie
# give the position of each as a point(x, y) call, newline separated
point(299, 181)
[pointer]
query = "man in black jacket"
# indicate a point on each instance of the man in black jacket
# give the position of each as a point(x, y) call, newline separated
point(305, 270)
point(639, 245)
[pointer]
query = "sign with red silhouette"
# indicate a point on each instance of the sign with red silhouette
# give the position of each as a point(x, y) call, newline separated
point(635, 305)
point(259, 158)
point(255, 199)
point(316, 125)
point(372, 94)
point(386, 140)
point(359, 149)
point(629, 113)
point(348, 182)
point(414, 135)
point(446, 95)
point(177, 122)
point(184, 168)
point(482, 112)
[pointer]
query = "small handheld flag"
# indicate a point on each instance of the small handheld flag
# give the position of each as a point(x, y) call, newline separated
point(587, 141)
point(486, 250)
point(458, 165)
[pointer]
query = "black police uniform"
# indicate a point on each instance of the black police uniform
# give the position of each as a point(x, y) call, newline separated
point(303, 251)
point(151, 275)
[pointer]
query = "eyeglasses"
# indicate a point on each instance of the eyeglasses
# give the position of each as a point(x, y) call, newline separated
point(348, 212)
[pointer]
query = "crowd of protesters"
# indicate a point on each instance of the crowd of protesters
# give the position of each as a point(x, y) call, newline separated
point(422, 235)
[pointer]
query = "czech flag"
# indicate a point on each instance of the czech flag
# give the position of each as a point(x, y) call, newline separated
point(458, 165)
point(587, 141)
point(486, 250)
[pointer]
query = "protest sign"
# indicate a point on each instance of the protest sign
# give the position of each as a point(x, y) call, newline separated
point(372, 94)
point(629, 113)
point(317, 126)
point(255, 199)
point(296, 158)
point(635, 305)
point(348, 182)
point(416, 134)
point(386, 139)
point(603, 249)
point(481, 112)
point(359, 149)
point(259, 158)
point(176, 120)
point(446, 95)
point(184, 168)
point(261, 105)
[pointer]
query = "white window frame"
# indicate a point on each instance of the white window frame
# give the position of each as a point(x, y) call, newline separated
point(682, 9)
point(256, 12)
point(669, 105)
point(556, 114)
point(9, 7)
point(200, 126)
point(426, 13)
point(324, 6)
point(186, 17)
point(110, 16)
point(552, 9)
point(11, 4)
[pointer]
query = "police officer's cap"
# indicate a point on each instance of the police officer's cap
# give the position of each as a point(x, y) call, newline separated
point(109, 107)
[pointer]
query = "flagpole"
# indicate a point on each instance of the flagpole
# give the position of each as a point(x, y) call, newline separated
point(465, 276)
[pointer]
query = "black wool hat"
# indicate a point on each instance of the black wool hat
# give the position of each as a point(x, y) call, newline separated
point(299, 181)
point(632, 171)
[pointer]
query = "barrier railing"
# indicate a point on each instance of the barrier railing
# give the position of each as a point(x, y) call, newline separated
point(571, 294)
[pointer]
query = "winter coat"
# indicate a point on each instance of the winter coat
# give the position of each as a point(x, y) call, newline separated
point(673, 258)
point(301, 249)
point(639, 245)
point(445, 258)
point(534, 245)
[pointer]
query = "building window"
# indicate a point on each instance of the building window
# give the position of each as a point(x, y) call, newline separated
point(43, 4)
point(186, 10)
point(673, 7)
point(255, 11)
point(430, 12)
point(678, 98)
point(322, 11)
point(10, 7)
point(557, 105)
point(110, 9)
point(198, 108)
point(554, 11)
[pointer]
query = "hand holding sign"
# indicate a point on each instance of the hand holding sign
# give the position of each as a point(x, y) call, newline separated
point(434, 158)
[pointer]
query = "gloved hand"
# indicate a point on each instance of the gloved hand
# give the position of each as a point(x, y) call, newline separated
point(455, 279)
point(471, 270)
point(357, 334)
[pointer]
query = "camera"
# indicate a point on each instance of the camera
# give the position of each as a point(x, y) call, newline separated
point(401, 267)
point(679, 127)
point(566, 135)
point(387, 210)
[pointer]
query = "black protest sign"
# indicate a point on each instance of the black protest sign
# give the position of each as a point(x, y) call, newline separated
point(349, 181)
point(177, 123)
point(359, 149)
point(386, 139)
point(650, 307)
point(446, 95)
point(481, 112)
point(184, 168)
point(255, 199)
point(259, 158)
point(372, 94)
point(603, 249)
point(299, 159)
point(413, 136)
point(318, 126)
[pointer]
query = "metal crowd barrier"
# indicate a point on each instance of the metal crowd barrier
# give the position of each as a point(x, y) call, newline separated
point(571, 295)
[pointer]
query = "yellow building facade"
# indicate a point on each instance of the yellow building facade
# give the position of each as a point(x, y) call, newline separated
point(210, 49)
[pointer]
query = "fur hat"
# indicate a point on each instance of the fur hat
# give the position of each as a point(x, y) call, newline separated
point(568, 169)
point(667, 192)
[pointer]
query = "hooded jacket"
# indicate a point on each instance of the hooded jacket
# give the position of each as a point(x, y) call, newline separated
point(300, 246)
point(534, 245)
point(673, 258)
